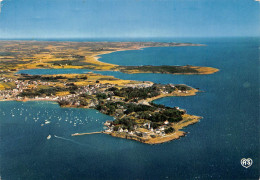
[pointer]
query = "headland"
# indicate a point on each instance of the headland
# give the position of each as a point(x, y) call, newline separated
point(129, 102)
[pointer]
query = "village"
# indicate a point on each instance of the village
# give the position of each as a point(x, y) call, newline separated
point(19, 90)
point(129, 102)
point(136, 116)
point(142, 132)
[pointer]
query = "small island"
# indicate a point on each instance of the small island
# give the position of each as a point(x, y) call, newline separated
point(130, 102)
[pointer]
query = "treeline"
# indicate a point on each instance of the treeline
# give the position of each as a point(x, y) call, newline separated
point(169, 130)
point(47, 92)
point(138, 108)
point(127, 123)
point(170, 114)
point(161, 69)
point(108, 108)
point(156, 114)
point(111, 107)
point(130, 93)
point(101, 96)
point(64, 102)
point(49, 78)
point(182, 87)
point(42, 78)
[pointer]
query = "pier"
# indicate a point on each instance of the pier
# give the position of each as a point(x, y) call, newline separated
point(81, 134)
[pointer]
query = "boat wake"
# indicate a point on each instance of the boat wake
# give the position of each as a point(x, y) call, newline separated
point(66, 139)
point(62, 138)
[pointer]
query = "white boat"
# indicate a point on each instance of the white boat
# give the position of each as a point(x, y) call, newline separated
point(49, 137)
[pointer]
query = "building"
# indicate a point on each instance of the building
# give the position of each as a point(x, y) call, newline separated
point(166, 122)
point(145, 135)
point(120, 130)
point(108, 123)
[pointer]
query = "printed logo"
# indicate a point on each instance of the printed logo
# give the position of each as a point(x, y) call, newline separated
point(246, 163)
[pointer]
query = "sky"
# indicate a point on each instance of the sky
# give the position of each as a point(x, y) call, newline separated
point(128, 18)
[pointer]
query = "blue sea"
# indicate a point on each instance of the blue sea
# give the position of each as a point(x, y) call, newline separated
point(212, 149)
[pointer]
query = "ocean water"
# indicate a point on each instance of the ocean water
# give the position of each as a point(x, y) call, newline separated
point(213, 148)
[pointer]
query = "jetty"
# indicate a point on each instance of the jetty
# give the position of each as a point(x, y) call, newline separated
point(81, 134)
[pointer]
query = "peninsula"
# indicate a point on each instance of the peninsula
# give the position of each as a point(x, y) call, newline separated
point(17, 55)
point(129, 102)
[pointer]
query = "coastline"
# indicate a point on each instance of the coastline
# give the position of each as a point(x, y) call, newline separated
point(201, 70)
point(92, 62)
point(191, 92)
point(188, 120)
point(90, 82)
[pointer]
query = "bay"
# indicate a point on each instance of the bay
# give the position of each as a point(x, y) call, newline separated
point(213, 148)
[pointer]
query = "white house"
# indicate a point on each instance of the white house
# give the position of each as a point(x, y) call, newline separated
point(166, 122)
point(120, 129)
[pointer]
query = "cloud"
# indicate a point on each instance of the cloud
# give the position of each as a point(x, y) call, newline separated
point(1, 5)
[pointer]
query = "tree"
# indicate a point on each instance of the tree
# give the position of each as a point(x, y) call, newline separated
point(169, 130)
point(101, 95)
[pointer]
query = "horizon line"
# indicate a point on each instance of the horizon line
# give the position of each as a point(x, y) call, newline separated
point(155, 37)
